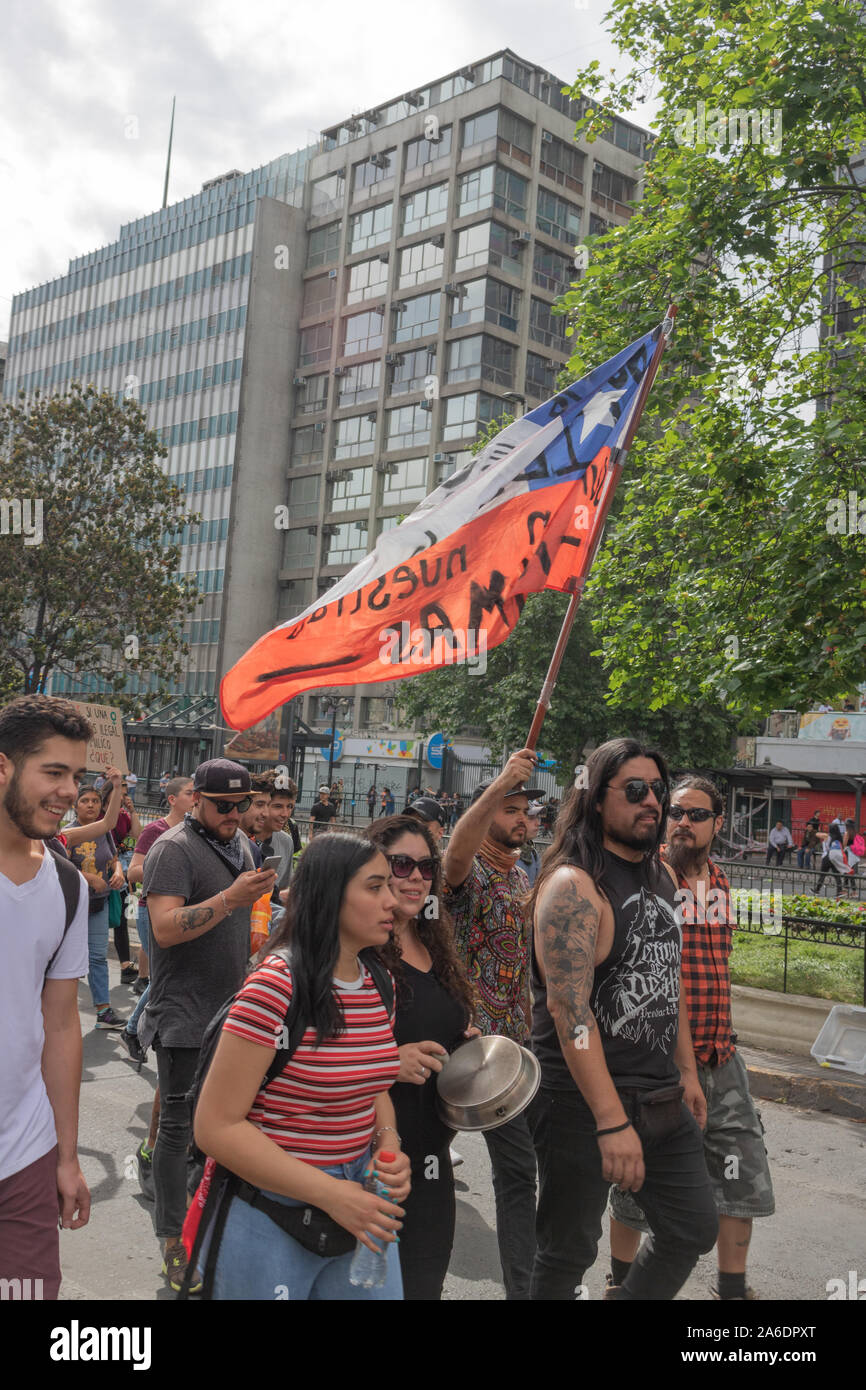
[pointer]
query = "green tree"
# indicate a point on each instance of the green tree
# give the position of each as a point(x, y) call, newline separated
point(731, 573)
point(88, 561)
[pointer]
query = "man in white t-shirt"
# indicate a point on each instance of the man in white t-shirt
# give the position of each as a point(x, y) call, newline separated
point(43, 952)
point(131, 784)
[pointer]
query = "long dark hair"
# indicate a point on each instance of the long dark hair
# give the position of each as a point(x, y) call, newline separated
point(578, 835)
point(311, 926)
point(436, 933)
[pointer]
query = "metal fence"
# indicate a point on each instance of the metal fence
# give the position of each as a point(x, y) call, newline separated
point(744, 874)
point(841, 935)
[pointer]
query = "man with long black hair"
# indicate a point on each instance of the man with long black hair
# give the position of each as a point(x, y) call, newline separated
point(620, 1101)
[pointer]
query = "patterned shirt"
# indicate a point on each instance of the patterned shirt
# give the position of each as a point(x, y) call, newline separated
point(707, 939)
point(492, 936)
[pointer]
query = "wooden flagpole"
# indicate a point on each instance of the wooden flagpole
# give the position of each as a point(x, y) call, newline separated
point(614, 470)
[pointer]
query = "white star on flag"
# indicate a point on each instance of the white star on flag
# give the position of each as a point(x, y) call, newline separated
point(597, 412)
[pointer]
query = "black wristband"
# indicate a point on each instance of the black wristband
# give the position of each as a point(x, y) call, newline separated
point(616, 1129)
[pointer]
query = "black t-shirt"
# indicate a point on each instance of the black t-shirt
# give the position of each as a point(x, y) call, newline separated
point(323, 812)
point(426, 1012)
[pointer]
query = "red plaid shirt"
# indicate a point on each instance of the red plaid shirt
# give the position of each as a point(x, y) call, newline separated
point(707, 938)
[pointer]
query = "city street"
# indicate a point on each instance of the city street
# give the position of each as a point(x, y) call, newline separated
point(816, 1235)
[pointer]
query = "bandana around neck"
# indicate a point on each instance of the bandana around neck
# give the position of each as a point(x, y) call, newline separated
point(498, 857)
point(232, 851)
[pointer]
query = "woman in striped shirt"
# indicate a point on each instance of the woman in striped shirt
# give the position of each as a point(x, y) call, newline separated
point(307, 1139)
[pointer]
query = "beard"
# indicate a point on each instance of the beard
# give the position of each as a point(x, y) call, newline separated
point(684, 856)
point(23, 813)
point(509, 839)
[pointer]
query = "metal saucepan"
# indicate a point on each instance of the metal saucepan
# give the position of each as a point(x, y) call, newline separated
point(486, 1083)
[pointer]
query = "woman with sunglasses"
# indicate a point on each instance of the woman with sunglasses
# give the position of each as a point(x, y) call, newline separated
point(307, 1139)
point(435, 1007)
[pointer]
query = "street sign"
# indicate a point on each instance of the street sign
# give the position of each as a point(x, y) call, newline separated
point(338, 749)
point(436, 745)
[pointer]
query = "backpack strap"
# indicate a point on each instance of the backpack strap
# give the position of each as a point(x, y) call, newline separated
point(70, 886)
point(381, 976)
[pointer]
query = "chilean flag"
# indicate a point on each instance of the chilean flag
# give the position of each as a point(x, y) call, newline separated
point(451, 581)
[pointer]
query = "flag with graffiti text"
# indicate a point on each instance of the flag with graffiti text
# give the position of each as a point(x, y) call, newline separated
point(449, 583)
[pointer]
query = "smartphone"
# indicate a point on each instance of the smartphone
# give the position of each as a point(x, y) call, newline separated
point(273, 861)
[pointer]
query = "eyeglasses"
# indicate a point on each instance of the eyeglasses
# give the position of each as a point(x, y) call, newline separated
point(225, 807)
point(403, 864)
point(694, 813)
point(636, 790)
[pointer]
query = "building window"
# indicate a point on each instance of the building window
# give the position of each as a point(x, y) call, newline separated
point(328, 194)
point(314, 345)
point(540, 377)
point(377, 709)
point(304, 497)
point(320, 296)
point(353, 436)
point(323, 245)
point(482, 356)
point(545, 326)
point(550, 270)
point(498, 129)
point(349, 491)
point(312, 395)
point(481, 129)
point(375, 169)
point(426, 208)
point(362, 333)
point(308, 445)
point(492, 187)
point(420, 152)
point(420, 263)
point(463, 415)
point(416, 318)
point(487, 243)
point(561, 162)
point(361, 383)
point(464, 360)
point(598, 225)
point(405, 482)
point(468, 306)
point(300, 551)
point(346, 546)
point(295, 596)
point(412, 369)
point(607, 183)
point(367, 280)
point(557, 217)
point(502, 305)
point(407, 426)
point(370, 228)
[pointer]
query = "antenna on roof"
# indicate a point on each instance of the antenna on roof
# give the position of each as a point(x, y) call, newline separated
point(168, 157)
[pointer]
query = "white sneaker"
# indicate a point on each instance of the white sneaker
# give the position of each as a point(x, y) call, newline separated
point(456, 1158)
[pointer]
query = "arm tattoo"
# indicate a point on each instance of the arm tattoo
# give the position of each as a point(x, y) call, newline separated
point(568, 930)
point(191, 918)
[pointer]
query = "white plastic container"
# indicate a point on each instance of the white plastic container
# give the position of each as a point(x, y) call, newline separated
point(842, 1040)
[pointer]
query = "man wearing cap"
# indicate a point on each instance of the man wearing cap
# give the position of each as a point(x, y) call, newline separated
point(428, 810)
point(200, 884)
point(485, 893)
point(530, 859)
point(323, 812)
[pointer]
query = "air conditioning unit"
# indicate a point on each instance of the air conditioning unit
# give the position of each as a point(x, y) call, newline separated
point(361, 525)
point(371, 417)
point(468, 73)
point(386, 468)
point(522, 238)
point(443, 458)
point(400, 306)
point(332, 274)
point(438, 239)
point(331, 476)
point(384, 256)
point(412, 99)
point(330, 530)
point(425, 405)
point(341, 371)
point(312, 530)
point(298, 380)
point(454, 290)
point(379, 309)
point(392, 358)
point(319, 428)
point(547, 137)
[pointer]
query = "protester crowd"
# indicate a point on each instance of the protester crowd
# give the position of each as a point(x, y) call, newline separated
point(301, 1006)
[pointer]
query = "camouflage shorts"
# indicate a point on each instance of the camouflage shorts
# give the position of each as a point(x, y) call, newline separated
point(733, 1148)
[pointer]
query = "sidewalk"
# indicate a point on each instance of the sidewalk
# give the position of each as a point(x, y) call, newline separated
point(801, 1082)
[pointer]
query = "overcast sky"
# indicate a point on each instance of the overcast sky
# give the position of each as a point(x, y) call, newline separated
point(87, 87)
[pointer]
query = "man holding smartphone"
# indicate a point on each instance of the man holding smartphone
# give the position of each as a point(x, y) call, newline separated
point(200, 883)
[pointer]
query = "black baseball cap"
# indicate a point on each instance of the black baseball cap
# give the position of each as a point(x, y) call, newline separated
point(426, 808)
point(532, 792)
point(221, 777)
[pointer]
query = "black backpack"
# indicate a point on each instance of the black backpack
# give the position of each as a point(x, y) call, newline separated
point(294, 1027)
point(70, 886)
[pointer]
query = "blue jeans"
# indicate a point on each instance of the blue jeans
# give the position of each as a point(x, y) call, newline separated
point(142, 925)
point(259, 1261)
point(97, 954)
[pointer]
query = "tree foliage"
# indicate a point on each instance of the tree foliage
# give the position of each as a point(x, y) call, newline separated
point(103, 571)
point(731, 573)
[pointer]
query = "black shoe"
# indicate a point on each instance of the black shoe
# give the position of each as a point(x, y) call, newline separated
point(134, 1047)
point(140, 985)
point(128, 974)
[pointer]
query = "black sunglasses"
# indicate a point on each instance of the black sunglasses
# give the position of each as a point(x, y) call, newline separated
point(636, 790)
point(403, 864)
point(694, 813)
point(225, 807)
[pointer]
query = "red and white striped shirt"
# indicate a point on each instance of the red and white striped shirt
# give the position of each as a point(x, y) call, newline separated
point(321, 1107)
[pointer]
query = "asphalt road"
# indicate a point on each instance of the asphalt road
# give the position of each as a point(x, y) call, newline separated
point(818, 1163)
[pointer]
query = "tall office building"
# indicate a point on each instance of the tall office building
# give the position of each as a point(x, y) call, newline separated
point(335, 348)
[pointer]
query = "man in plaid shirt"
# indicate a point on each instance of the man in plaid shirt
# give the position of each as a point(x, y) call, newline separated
point(733, 1138)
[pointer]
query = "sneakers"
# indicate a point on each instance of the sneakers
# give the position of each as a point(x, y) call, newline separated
point(174, 1267)
point(456, 1158)
point(140, 984)
point(748, 1296)
point(107, 1018)
point(128, 974)
point(144, 1159)
point(134, 1047)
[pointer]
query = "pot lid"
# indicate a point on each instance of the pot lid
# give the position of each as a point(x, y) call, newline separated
point(481, 1071)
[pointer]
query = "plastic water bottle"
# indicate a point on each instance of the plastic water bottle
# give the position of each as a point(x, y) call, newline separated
point(368, 1267)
